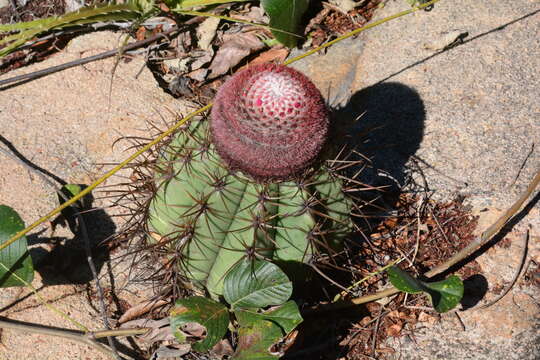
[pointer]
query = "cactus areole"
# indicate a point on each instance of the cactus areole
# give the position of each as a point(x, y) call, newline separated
point(270, 121)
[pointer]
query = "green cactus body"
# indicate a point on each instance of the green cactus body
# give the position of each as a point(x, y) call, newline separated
point(212, 217)
point(249, 182)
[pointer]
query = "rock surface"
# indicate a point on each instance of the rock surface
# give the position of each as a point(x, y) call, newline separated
point(67, 124)
point(466, 118)
point(464, 121)
point(468, 115)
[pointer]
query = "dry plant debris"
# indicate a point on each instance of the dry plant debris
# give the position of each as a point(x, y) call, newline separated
point(39, 51)
point(423, 232)
point(193, 63)
point(189, 69)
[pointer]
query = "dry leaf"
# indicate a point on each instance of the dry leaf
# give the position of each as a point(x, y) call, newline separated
point(198, 75)
point(160, 330)
point(141, 308)
point(394, 330)
point(427, 318)
point(255, 15)
point(171, 352)
point(194, 329)
point(272, 55)
point(201, 60)
point(235, 47)
point(222, 348)
point(206, 32)
point(140, 34)
point(394, 314)
point(284, 344)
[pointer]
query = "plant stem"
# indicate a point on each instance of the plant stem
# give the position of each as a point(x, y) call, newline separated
point(82, 231)
point(358, 31)
point(489, 233)
point(118, 332)
point(463, 254)
point(184, 120)
point(86, 338)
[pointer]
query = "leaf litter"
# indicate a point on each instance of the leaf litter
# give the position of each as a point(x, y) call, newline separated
point(193, 64)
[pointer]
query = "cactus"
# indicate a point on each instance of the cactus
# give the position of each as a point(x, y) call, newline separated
point(249, 183)
point(269, 121)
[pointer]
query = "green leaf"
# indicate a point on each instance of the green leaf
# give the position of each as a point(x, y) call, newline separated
point(70, 213)
point(256, 284)
point(287, 316)
point(68, 191)
point(206, 312)
point(444, 294)
point(285, 15)
point(72, 189)
point(257, 332)
point(15, 260)
point(131, 10)
point(255, 337)
point(404, 282)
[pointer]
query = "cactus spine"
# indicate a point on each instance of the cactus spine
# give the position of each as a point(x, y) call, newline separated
point(277, 206)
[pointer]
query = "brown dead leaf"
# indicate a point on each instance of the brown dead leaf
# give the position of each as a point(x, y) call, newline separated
point(282, 346)
point(198, 75)
point(171, 352)
point(235, 47)
point(344, 5)
point(201, 60)
point(194, 329)
point(206, 32)
point(427, 318)
point(141, 308)
point(255, 15)
point(140, 34)
point(272, 55)
point(365, 320)
point(222, 348)
point(394, 330)
point(160, 330)
point(394, 314)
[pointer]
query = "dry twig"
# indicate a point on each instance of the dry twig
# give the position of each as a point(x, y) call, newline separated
point(88, 338)
point(522, 268)
point(461, 255)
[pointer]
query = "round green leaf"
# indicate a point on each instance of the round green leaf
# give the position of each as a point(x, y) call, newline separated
point(444, 295)
point(257, 332)
point(15, 261)
point(256, 284)
point(206, 312)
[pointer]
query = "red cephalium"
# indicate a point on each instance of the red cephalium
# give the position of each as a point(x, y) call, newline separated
point(269, 121)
